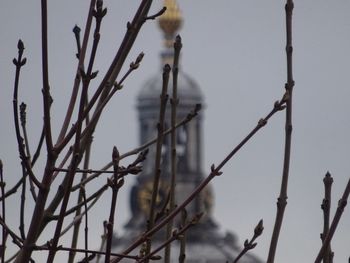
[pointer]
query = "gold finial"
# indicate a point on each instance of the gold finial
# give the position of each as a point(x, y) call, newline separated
point(171, 21)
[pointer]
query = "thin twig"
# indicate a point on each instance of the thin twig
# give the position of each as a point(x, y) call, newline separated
point(159, 13)
point(86, 230)
point(326, 206)
point(62, 163)
point(24, 174)
point(74, 162)
point(62, 248)
point(99, 12)
point(78, 211)
point(340, 209)
point(121, 171)
point(103, 241)
point(132, 31)
point(133, 66)
point(174, 101)
point(77, 79)
point(115, 184)
point(249, 245)
point(282, 199)
point(160, 137)
point(76, 30)
point(38, 149)
point(23, 119)
point(3, 208)
point(22, 207)
point(46, 86)
point(182, 239)
point(27, 248)
point(215, 171)
point(19, 62)
point(87, 77)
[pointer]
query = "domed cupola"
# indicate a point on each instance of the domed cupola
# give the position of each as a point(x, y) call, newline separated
point(188, 91)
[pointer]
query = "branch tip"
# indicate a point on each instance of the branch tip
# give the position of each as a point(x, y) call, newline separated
point(20, 45)
point(259, 228)
point(76, 30)
point(178, 43)
point(152, 17)
point(166, 69)
point(328, 179)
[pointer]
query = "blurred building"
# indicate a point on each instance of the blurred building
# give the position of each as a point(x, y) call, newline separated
point(204, 242)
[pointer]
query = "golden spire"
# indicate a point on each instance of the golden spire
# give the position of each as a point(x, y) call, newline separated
point(171, 21)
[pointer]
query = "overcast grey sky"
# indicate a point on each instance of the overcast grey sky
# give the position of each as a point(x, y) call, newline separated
point(235, 51)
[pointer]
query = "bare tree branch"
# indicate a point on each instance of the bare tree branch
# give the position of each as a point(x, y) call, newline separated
point(340, 209)
point(249, 245)
point(282, 199)
point(82, 54)
point(160, 137)
point(115, 184)
point(174, 101)
point(326, 206)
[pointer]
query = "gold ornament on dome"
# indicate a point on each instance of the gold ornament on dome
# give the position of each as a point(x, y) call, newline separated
point(171, 21)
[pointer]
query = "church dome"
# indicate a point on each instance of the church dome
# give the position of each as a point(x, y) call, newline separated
point(188, 91)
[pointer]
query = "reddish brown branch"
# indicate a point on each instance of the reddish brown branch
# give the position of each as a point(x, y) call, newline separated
point(182, 238)
point(326, 206)
point(340, 209)
point(26, 250)
point(115, 184)
point(45, 74)
point(3, 210)
point(158, 14)
point(61, 248)
point(38, 149)
point(174, 101)
point(19, 63)
point(160, 137)
point(86, 230)
point(81, 198)
point(22, 206)
point(103, 241)
point(74, 162)
point(282, 199)
point(23, 118)
point(249, 245)
point(75, 89)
